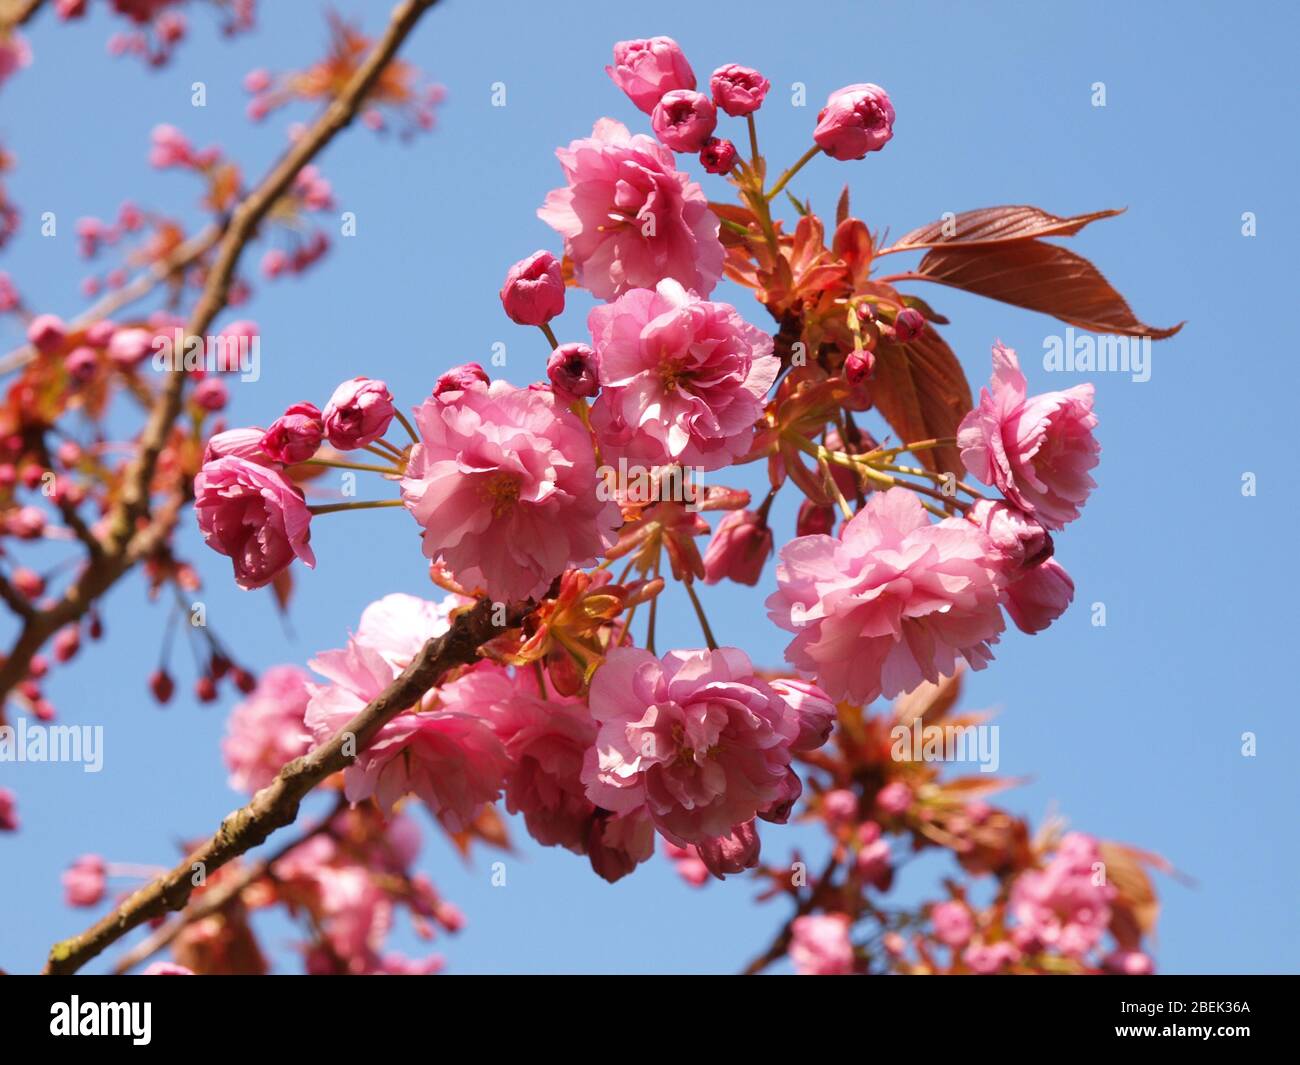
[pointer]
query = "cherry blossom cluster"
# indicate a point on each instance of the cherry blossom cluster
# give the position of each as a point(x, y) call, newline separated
point(899, 572)
point(159, 26)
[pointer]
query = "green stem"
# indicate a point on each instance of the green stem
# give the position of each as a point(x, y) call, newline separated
point(333, 508)
point(699, 613)
point(363, 466)
point(799, 164)
point(753, 145)
point(410, 431)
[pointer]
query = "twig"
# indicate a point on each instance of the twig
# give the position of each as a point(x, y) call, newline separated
point(124, 520)
point(276, 805)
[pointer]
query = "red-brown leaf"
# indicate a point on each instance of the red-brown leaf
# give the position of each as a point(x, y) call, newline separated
point(1042, 277)
point(992, 225)
point(920, 390)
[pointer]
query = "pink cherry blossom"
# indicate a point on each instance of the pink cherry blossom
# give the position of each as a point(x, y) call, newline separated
point(894, 601)
point(504, 483)
point(629, 218)
point(266, 730)
point(8, 811)
point(1066, 904)
point(820, 945)
point(296, 435)
point(953, 923)
point(815, 712)
point(85, 881)
point(358, 413)
point(688, 863)
point(684, 120)
point(732, 852)
point(738, 90)
point(683, 379)
point(646, 69)
point(695, 738)
point(254, 516)
point(449, 759)
point(533, 291)
point(1036, 450)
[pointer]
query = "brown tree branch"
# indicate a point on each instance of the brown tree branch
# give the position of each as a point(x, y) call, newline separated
point(219, 897)
point(132, 506)
point(13, 13)
point(276, 805)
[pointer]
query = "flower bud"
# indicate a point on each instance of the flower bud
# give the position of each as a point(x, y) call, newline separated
point(858, 367)
point(738, 90)
point(718, 156)
point(161, 686)
point(459, 378)
point(533, 292)
point(814, 519)
point(296, 435)
point(739, 549)
point(857, 119)
point(684, 120)
point(358, 413)
point(646, 69)
point(46, 333)
point(909, 325)
point(574, 371)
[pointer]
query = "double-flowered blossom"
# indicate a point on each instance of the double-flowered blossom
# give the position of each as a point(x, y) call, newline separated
point(894, 600)
point(683, 379)
point(630, 218)
point(266, 731)
point(694, 738)
point(504, 483)
point(450, 759)
point(646, 69)
point(251, 514)
point(820, 945)
point(1036, 450)
point(1066, 905)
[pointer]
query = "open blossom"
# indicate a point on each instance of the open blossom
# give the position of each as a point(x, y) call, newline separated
point(683, 379)
point(251, 514)
point(451, 760)
point(358, 413)
point(684, 120)
point(646, 69)
point(1066, 905)
point(820, 945)
point(546, 740)
point(894, 601)
point(629, 218)
point(504, 483)
point(857, 119)
point(1036, 450)
point(695, 738)
point(266, 730)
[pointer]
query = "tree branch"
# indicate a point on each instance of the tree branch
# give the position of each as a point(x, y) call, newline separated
point(132, 506)
point(276, 805)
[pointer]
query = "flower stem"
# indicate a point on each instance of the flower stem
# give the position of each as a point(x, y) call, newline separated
point(545, 327)
point(798, 165)
point(753, 144)
point(363, 466)
point(333, 508)
point(410, 431)
point(699, 613)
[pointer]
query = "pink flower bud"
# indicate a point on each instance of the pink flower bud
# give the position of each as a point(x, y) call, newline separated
point(205, 689)
point(358, 413)
point(857, 119)
point(240, 443)
point(67, 642)
point(211, 394)
point(81, 364)
point(840, 806)
point(814, 520)
point(718, 156)
point(858, 367)
point(646, 69)
point(85, 881)
point(953, 923)
point(1019, 541)
point(684, 120)
point(894, 798)
point(99, 333)
point(733, 853)
point(28, 582)
point(533, 292)
point(814, 710)
point(738, 90)
point(459, 378)
point(129, 346)
point(1039, 596)
point(46, 333)
point(8, 811)
point(296, 435)
point(1129, 963)
point(739, 549)
point(161, 686)
point(574, 371)
point(909, 325)
point(28, 523)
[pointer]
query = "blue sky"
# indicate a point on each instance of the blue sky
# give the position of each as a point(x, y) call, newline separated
point(1131, 730)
